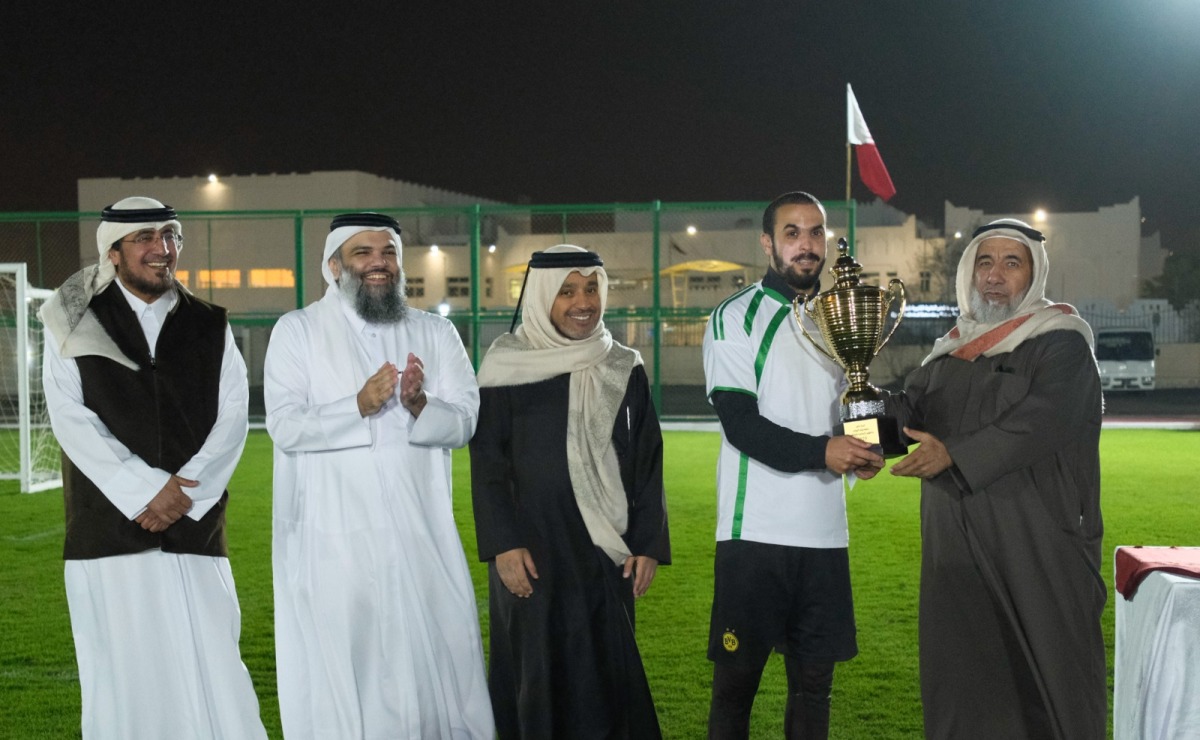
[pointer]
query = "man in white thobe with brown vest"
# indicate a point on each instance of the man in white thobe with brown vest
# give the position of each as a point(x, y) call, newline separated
point(147, 396)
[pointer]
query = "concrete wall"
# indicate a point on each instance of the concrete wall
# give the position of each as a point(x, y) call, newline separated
point(1178, 366)
point(887, 252)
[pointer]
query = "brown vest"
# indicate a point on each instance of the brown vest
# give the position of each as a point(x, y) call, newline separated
point(162, 412)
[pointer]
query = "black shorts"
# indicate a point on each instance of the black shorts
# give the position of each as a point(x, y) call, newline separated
point(795, 600)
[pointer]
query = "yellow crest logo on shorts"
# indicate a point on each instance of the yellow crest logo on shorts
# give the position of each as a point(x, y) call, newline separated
point(730, 641)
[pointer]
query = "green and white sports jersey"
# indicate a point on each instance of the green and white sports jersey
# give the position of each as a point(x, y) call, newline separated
point(752, 345)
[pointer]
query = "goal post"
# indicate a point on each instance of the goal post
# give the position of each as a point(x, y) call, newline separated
point(29, 453)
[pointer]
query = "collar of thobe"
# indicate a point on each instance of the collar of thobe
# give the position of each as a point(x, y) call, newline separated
point(151, 315)
point(357, 323)
point(159, 309)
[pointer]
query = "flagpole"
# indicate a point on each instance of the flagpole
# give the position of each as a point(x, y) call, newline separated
point(849, 205)
point(848, 148)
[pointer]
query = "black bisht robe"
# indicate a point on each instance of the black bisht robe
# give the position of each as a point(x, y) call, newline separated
point(563, 662)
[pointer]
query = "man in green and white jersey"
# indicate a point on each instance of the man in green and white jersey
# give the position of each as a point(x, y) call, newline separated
point(782, 566)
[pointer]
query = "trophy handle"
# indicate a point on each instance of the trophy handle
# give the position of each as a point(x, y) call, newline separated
point(800, 323)
point(895, 291)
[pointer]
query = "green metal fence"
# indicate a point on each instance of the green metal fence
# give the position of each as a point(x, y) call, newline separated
point(669, 264)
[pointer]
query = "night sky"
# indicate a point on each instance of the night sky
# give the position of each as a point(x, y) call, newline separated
point(1001, 106)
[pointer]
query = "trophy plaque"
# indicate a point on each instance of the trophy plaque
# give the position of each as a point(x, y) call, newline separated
point(850, 318)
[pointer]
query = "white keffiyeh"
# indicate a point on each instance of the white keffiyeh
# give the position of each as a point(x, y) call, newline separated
point(1035, 315)
point(78, 332)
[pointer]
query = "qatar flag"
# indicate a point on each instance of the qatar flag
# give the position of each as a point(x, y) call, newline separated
point(870, 165)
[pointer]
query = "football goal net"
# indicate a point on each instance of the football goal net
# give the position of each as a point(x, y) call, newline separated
point(29, 452)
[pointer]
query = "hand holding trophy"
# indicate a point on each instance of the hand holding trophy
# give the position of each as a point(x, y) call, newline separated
point(850, 318)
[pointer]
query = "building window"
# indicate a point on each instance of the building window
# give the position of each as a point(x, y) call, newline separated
point(219, 279)
point(272, 278)
point(458, 287)
point(414, 287)
point(926, 281)
point(487, 289)
point(182, 276)
point(704, 282)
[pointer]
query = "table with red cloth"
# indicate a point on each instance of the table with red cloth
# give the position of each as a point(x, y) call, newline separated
point(1156, 671)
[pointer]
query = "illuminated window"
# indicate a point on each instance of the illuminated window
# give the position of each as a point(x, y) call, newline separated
point(514, 288)
point(219, 279)
point(272, 278)
point(182, 277)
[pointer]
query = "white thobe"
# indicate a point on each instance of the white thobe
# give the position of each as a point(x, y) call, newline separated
point(376, 627)
point(156, 634)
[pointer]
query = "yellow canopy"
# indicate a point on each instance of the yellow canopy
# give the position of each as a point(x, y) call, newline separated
point(702, 266)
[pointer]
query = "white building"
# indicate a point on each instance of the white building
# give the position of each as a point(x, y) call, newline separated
point(242, 252)
point(247, 239)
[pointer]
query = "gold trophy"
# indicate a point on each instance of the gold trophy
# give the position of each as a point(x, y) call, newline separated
point(851, 317)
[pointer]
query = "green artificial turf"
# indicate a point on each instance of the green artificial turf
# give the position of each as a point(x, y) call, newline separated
point(1148, 485)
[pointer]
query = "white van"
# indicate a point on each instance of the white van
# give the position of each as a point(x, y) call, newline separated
point(1126, 358)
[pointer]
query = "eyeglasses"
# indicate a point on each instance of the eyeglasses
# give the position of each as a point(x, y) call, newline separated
point(169, 238)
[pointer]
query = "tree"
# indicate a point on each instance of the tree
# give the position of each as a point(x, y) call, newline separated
point(942, 264)
point(1180, 281)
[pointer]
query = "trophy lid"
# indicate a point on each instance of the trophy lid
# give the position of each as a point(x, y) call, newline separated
point(846, 268)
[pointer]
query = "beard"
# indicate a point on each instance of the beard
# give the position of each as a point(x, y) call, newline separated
point(152, 286)
point(798, 281)
point(985, 312)
point(377, 304)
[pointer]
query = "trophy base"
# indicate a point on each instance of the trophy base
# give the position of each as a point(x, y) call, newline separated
point(883, 432)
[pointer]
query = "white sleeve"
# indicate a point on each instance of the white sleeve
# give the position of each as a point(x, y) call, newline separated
point(729, 357)
point(452, 394)
point(214, 463)
point(294, 423)
point(124, 478)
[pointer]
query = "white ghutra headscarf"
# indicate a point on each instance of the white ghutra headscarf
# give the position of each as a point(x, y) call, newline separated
point(66, 313)
point(599, 368)
point(1035, 314)
point(347, 225)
